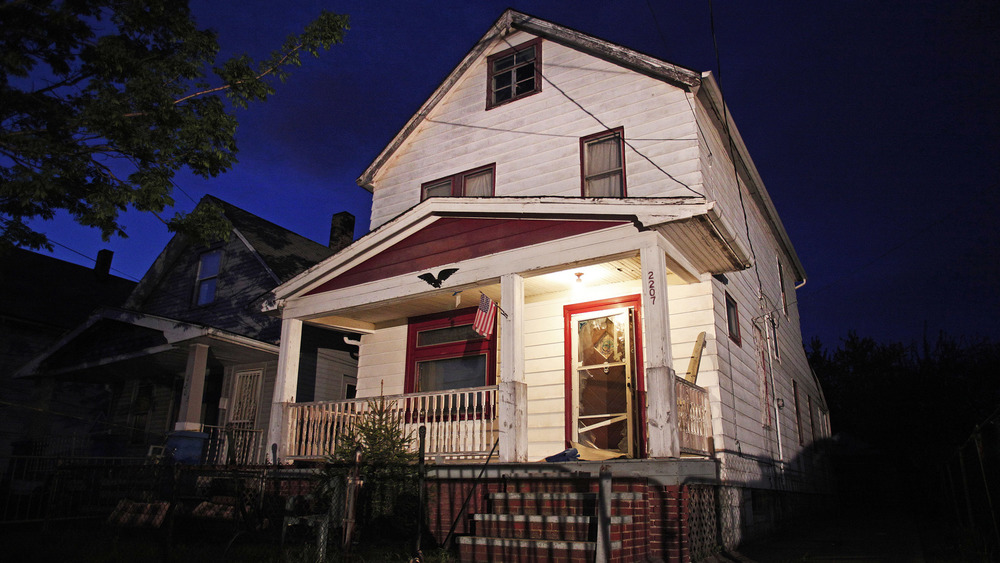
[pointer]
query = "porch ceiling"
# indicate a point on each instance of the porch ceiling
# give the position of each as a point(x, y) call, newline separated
point(536, 285)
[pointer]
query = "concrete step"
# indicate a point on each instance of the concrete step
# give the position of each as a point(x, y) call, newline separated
point(477, 549)
point(544, 527)
point(558, 503)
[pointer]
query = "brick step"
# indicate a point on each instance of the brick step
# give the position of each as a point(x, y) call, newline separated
point(476, 549)
point(558, 503)
point(544, 527)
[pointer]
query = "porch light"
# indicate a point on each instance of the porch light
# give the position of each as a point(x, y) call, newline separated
point(579, 277)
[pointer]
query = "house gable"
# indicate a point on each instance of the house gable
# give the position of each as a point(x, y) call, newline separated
point(258, 256)
point(497, 38)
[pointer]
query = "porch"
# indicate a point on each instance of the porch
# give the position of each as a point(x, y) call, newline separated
point(598, 314)
point(462, 424)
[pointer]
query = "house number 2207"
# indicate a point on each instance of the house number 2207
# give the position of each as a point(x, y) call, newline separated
point(652, 288)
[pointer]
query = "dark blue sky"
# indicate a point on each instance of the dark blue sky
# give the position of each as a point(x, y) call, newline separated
point(873, 124)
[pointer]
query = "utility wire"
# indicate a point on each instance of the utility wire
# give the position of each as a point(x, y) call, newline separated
point(605, 126)
point(94, 260)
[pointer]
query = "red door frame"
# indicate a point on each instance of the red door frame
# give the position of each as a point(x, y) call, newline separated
point(635, 303)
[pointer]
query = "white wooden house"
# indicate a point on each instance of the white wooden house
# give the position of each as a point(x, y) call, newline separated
point(605, 201)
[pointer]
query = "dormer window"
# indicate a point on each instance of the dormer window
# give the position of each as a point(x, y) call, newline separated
point(603, 161)
point(514, 73)
point(208, 274)
point(477, 182)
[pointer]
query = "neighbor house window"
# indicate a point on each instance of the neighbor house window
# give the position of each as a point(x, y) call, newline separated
point(208, 275)
point(514, 73)
point(603, 164)
point(477, 182)
point(733, 319)
point(443, 352)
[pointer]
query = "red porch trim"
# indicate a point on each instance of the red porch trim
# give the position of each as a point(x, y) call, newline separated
point(454, 239)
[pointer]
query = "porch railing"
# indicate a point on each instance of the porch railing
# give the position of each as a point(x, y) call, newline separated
point(694, 418)
point(247, 445)
point(460, 422)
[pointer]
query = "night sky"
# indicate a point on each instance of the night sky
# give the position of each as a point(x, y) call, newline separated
point(873, 124)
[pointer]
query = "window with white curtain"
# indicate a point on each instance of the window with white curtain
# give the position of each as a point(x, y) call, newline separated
point(477, 182)
point(603, 160)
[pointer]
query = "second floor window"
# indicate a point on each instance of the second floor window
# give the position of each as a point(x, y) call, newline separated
point(603, 160)
point(477, 182)
point(208, 275)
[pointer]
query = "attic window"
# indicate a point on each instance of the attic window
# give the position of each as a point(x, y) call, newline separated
point(514, 73)
point(477, 182)
point(603, 161)
point(208, 274)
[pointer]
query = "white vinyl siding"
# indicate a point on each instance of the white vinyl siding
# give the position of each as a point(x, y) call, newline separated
point(460, 134)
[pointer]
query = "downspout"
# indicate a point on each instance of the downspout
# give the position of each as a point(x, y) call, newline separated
point(774, 394)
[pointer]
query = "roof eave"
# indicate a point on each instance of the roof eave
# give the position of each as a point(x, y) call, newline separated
point(713, 94)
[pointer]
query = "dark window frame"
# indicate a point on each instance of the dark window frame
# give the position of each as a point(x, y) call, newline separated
point(781, 283)
point(199, 279)
point(458, 182)
point(618, 132)
point(812, 421)
point(798, 413)
point(733, 320)
point(774, 338)
point(448, 350)
point(491, 74)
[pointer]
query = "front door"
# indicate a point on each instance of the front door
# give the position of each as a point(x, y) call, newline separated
point(602, 384)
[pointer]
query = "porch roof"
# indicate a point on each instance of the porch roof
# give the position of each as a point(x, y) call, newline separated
point(693, 226)
point(117, 340)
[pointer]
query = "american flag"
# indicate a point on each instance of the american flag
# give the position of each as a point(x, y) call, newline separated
point(487, 313)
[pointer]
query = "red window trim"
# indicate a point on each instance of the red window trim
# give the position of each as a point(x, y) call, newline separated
point(635, 302)
point(458, 181)
point(446, 319)
point(620, 132)
point(538, 72)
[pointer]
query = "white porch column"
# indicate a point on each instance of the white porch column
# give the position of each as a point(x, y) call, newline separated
point(513, 391)
point(661, 397)
point(285, 382)
point(189, 415)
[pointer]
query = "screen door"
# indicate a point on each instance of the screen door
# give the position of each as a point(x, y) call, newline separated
point(602, 414)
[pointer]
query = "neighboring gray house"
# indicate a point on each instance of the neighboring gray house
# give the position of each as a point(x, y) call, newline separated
point(41, 299)
point(189, 349)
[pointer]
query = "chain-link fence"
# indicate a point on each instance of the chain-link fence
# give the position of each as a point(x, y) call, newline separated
point(973, 483)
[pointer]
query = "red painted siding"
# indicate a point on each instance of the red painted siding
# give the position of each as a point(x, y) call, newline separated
point(450, 240)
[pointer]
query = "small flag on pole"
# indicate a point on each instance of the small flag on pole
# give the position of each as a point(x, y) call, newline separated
point(487, 313)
